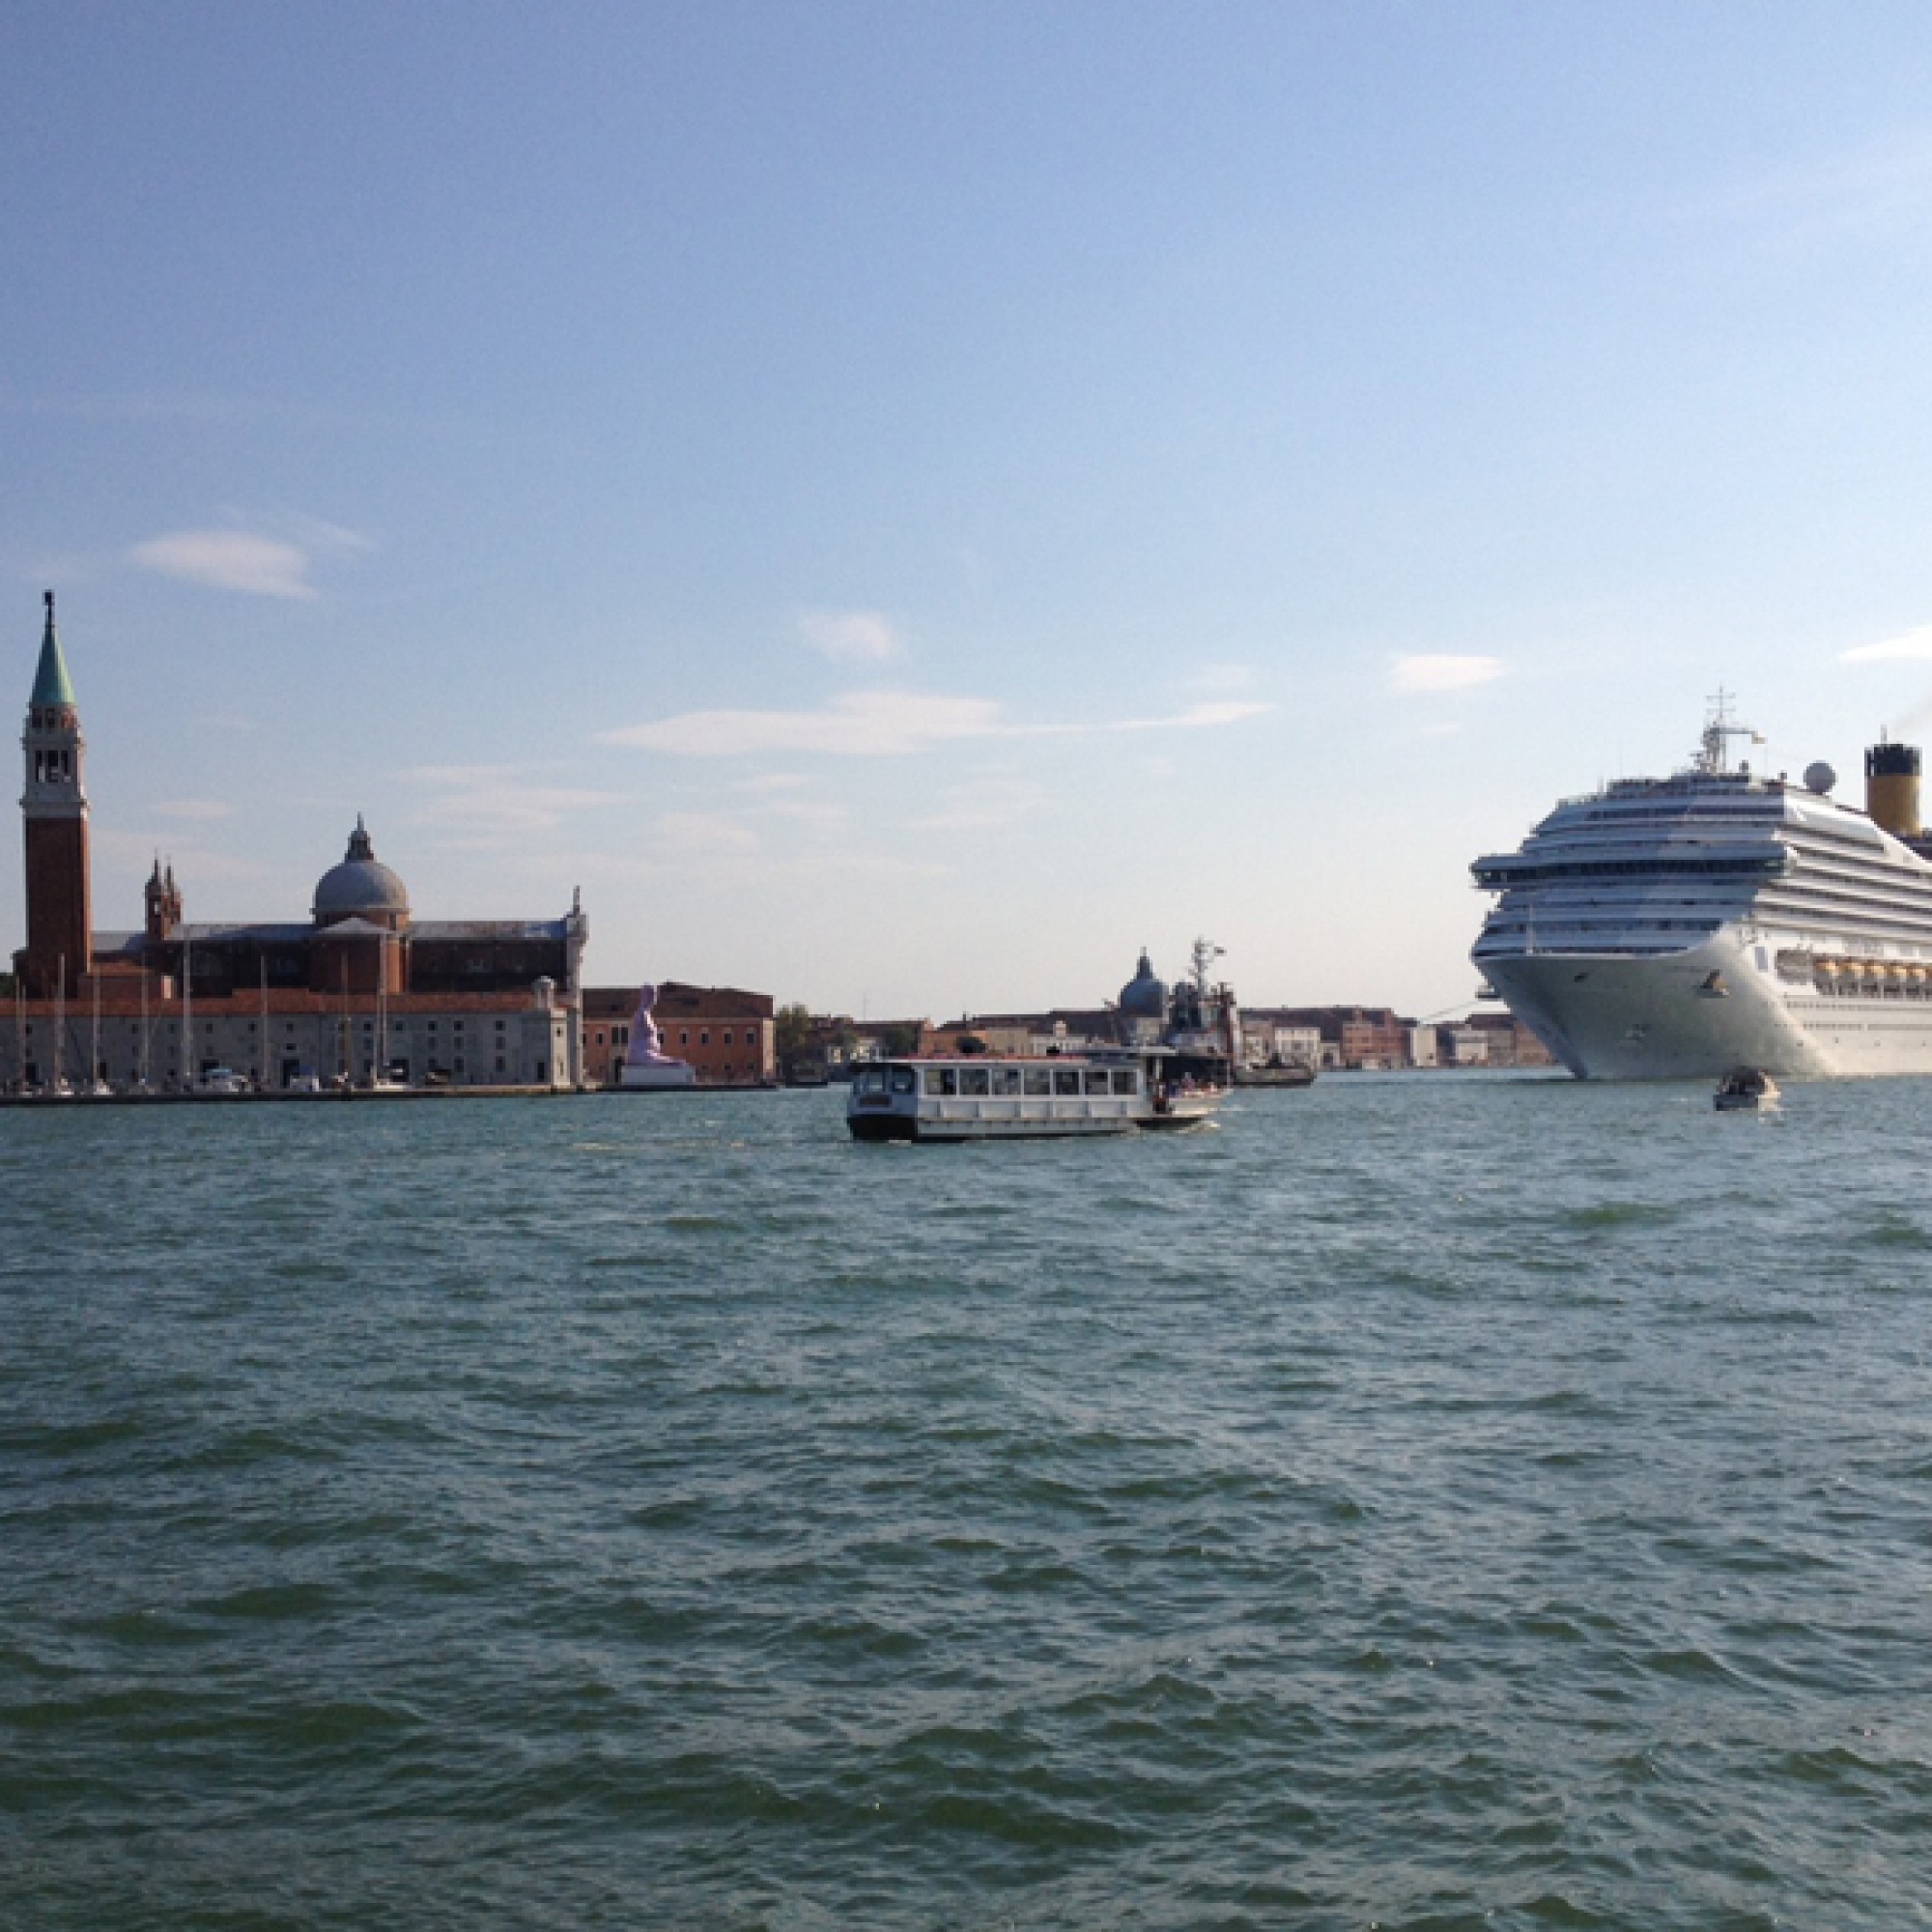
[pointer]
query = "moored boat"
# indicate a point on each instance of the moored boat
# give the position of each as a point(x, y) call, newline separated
point(992, 1099)
point(1746, 1089)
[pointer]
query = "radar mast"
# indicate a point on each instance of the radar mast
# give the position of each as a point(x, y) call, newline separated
point(1714, 752)
point(1202, 957)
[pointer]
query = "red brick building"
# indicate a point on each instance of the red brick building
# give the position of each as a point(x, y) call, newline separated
point(727, 1035)
point(1359, 1037)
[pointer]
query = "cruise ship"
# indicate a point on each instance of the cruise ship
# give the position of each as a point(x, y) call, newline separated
point(1681, 928)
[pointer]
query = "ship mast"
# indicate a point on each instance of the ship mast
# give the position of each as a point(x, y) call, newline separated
point(1202, 957)
point(1713, 748)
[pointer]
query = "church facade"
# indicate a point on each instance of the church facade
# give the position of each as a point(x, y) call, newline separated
point(361, 992)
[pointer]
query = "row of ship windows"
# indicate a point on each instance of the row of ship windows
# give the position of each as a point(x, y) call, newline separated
point(1002, 1082)
point(1799, 905)
point(1502, 878)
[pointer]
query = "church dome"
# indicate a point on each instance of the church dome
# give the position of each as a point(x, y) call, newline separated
point(360, 886)
point(1144, 997)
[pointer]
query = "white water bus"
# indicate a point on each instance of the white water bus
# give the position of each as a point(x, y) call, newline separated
point(986, 1097)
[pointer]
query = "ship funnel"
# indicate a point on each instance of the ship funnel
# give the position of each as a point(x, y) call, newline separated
point(1891, 788)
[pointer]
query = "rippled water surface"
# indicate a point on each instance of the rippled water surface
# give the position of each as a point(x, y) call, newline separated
point(1420, 1502)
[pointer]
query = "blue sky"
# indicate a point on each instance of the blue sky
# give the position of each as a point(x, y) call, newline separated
point(907, 504)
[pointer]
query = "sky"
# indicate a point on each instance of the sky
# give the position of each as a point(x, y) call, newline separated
point(905, 506)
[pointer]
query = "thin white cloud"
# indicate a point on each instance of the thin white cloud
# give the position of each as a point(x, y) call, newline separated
point(881, 723)
point(862, 725)
point(988, 801)
point(1912, 643)
point(192, 807)
point(1413, 676)
point(771, 782)
point(494, 802)
point(864, 636)
point(697, 833)
point(196, 866)
point(1881, 189)
point(253, 562)
point(807, 811)
point(229, 560)
point(1196, 718)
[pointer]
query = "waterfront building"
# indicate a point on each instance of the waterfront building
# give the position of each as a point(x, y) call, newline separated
point(359, 989)
point(1358, 1037)
point(727, 1035)
point(1266, 1042)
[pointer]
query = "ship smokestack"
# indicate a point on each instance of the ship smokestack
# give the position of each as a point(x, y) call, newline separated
point(1891, 788)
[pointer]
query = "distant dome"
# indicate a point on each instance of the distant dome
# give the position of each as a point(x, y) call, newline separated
point(1144, 997)
point(360, 886)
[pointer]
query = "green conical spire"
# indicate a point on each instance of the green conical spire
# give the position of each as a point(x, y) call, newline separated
point(52, 687)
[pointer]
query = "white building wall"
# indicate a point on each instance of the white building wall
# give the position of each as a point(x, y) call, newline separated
point(529, 1048)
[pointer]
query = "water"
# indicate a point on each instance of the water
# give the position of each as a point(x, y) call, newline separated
point(1425, 1504)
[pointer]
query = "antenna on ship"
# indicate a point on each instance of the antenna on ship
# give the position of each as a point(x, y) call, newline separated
point(1204, 955)
point(1713, 755)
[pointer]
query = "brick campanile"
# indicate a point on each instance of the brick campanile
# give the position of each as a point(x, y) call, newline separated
point(60, 903)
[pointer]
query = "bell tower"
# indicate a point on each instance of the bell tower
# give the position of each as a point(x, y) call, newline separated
point(60, 909)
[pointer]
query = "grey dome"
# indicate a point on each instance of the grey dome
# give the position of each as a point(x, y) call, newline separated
point(360, 884)
point(1144, 997)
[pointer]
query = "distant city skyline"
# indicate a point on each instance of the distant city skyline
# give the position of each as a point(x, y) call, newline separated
point(905, 509)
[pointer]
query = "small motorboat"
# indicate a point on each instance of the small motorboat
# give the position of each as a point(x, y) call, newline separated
point(1746, 1089)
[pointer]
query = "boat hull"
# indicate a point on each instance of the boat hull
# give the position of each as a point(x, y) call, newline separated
point(1618, 1017)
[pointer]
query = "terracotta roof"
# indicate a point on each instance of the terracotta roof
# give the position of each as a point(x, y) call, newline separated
point(678, 1001)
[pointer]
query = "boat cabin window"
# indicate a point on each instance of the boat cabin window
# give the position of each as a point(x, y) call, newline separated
point(902, 1080)
point(1038, 1080)
point(1096, 1080)
point(1006, 1079)
point(975, 1080)
point(871, 1081)
point(1067, 1080)
point(1126, 1081)
point(942, 1080)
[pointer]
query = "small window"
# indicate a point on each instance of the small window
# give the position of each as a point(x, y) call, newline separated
point(901, 1080)
point(1097, 1079)
point(1006, 1079)
point(1125, 1080)
point(940, 1080)
point(705, 1037)
point(976, 1081)
point(871, 1081)
point(1067, 1080)
point(1038, 1080)
point(727, 1036)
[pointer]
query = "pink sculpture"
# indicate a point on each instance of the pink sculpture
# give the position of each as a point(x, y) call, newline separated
point(646, 1063)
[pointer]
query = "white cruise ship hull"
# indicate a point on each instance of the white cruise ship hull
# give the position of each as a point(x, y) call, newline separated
point(1610, 1016)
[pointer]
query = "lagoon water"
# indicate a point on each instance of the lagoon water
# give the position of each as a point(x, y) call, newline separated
point(1429, 1502)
